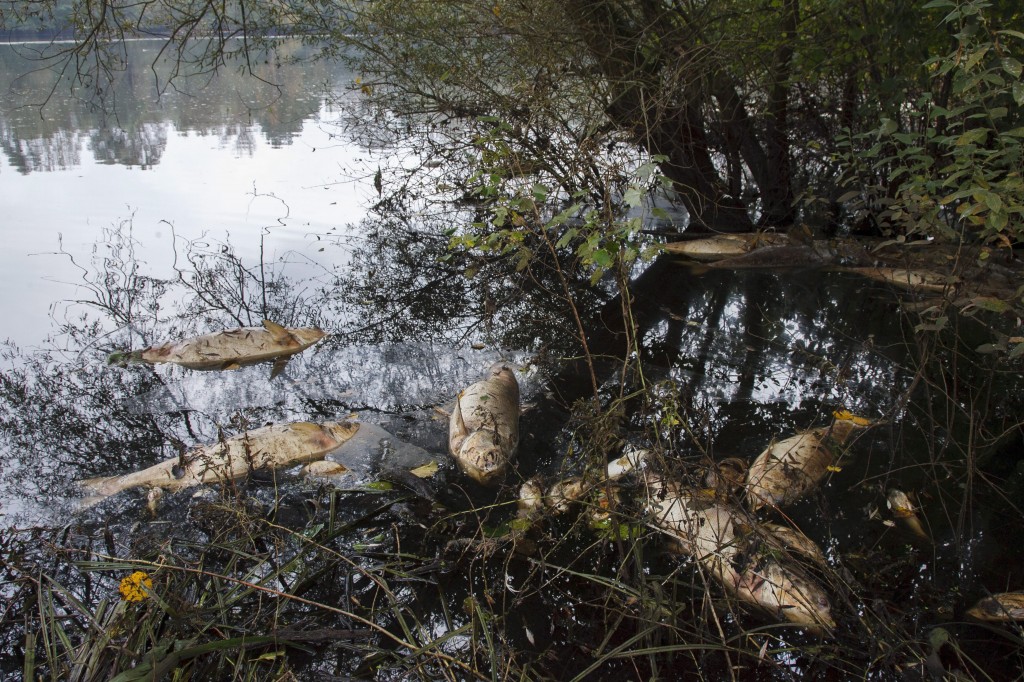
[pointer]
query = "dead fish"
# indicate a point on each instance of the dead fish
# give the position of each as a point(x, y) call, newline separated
point(794, 541)
point(703, 527)
point(768, 257)
point(563, 494)
point(632, 459)
point(483, 432)
point(999, 607)
point(229, 349)
point(323, 468)
point(788, 469)
point(711, 531)
point(531, 498)
point(727, 475)
point(905, 512)
point(787, 593)
point(723, 246)
point(268, 447)
point(919, 280)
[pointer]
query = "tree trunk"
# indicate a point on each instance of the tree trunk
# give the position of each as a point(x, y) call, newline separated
point(663, 123)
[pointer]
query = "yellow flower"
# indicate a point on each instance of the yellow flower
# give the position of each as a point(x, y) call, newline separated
point(136, 586)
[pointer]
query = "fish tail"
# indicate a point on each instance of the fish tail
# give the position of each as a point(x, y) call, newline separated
point(123, 358)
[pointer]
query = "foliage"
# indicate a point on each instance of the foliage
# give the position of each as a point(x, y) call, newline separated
point(950, 163)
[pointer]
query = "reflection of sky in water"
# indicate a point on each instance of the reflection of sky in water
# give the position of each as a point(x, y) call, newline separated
point(204, 186)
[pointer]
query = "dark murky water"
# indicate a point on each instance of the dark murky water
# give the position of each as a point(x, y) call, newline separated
point(735, 360)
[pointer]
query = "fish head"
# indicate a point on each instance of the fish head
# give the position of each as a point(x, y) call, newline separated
point(798, 599)
point(307, 336)
point(341, 431)
point(1000, 607)
point(531, 496)
point(504, 373)
point(483, 456)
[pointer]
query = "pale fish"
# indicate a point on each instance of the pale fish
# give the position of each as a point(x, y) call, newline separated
point(269, 447)
point(483, 432)
point(531, 498)
point(999, 607)
point(564, 493)
point(710, 530)
point(905, 512)
point(229, 349)
point(723, 246)
point(702, 526)
point(786, 592)
point(920, 280)
point(632, 459)
point(793, 540)
point(789, 468)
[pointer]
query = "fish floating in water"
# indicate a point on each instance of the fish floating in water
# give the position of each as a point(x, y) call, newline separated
point(269, 447)
point(229, 349)
point(905, 512)
point(718, 536)
point(483, 431)
point(788, 469)
point(999, 607)
point(913, 280)
point(724, 246)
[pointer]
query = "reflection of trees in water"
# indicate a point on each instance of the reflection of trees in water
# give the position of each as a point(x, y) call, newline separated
point(43, 126)
point(403, 282)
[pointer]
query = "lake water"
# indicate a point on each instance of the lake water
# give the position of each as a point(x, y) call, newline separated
point(228, 200)
point(232, 160)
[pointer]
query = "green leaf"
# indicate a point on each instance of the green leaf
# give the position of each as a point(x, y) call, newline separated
point(633, 197)
point(1018, 93)
point(1012, 67)
point(935, 4)
point(972, 136)
point(566, 238)
point(602, 258)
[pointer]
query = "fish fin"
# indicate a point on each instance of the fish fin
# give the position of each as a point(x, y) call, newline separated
point(279, 333)
point(230, 365)
point(279, 365)
point(307, 427)
point(457, 421)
